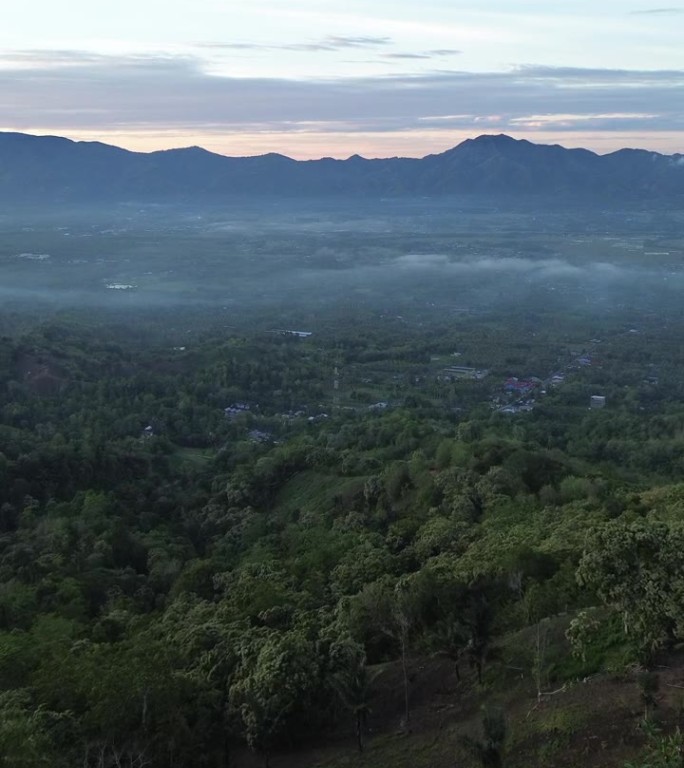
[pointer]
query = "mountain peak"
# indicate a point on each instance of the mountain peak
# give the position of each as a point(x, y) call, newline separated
point(500, 141)
point(486, 142)
point(495, 138)
point(49, 168)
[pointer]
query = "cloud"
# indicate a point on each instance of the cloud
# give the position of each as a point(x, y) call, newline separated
point(330, 43)
point(515, 268)
point(357, 42)
point(658, 12)
point(65, 91)
point(304, 47)
point(588, 121)
point(36, 59)
point(406, 56)
point(233, 46)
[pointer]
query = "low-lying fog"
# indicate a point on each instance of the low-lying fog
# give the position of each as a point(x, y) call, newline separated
point(390, 256)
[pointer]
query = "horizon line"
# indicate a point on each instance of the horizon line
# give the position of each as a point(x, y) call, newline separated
point(187, 147)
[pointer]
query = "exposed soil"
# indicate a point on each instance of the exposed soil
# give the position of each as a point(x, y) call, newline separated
point(587, 724)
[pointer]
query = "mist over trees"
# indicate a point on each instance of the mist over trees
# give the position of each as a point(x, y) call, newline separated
point(284, 483)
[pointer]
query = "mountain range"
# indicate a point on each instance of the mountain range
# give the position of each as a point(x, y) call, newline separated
point(53, 169)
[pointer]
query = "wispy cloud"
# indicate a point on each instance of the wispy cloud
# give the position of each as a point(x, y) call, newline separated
point(330, 43)
point(232, 46)
point(438, 53)
point(599, 121)
point(658, 11)
point(406, 56)
point(73, 92)
point(357, 42)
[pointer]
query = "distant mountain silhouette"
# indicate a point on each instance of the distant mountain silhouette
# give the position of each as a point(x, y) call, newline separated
point(49, 168)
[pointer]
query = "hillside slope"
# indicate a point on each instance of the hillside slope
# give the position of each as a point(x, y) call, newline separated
point(42, 169)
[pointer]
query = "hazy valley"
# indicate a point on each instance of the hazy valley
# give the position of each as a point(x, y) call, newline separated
point(339, 481)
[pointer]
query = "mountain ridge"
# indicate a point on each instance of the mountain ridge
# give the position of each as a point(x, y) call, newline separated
point(40, 168)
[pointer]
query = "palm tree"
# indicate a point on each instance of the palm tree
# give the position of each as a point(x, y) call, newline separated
point(450, 639)
point(353, 688)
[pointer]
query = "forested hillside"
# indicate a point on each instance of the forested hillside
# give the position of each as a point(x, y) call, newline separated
point(40, 169)
point(326, 551)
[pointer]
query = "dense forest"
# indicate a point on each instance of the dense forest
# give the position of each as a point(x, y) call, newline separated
point(254, 545)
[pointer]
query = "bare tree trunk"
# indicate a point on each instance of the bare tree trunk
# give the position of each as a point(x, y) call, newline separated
point(406, 680)
point(540, 660)
point(144, 710)
point(226, 749)
point(226, 730)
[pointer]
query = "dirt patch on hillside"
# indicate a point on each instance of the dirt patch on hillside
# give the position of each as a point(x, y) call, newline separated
point(586, 724)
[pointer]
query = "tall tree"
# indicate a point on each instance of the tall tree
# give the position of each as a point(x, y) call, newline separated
point(352, 681)
point(275, 680)
point(636, 568)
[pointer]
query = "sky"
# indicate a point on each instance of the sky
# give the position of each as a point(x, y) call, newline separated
point(315, 78)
